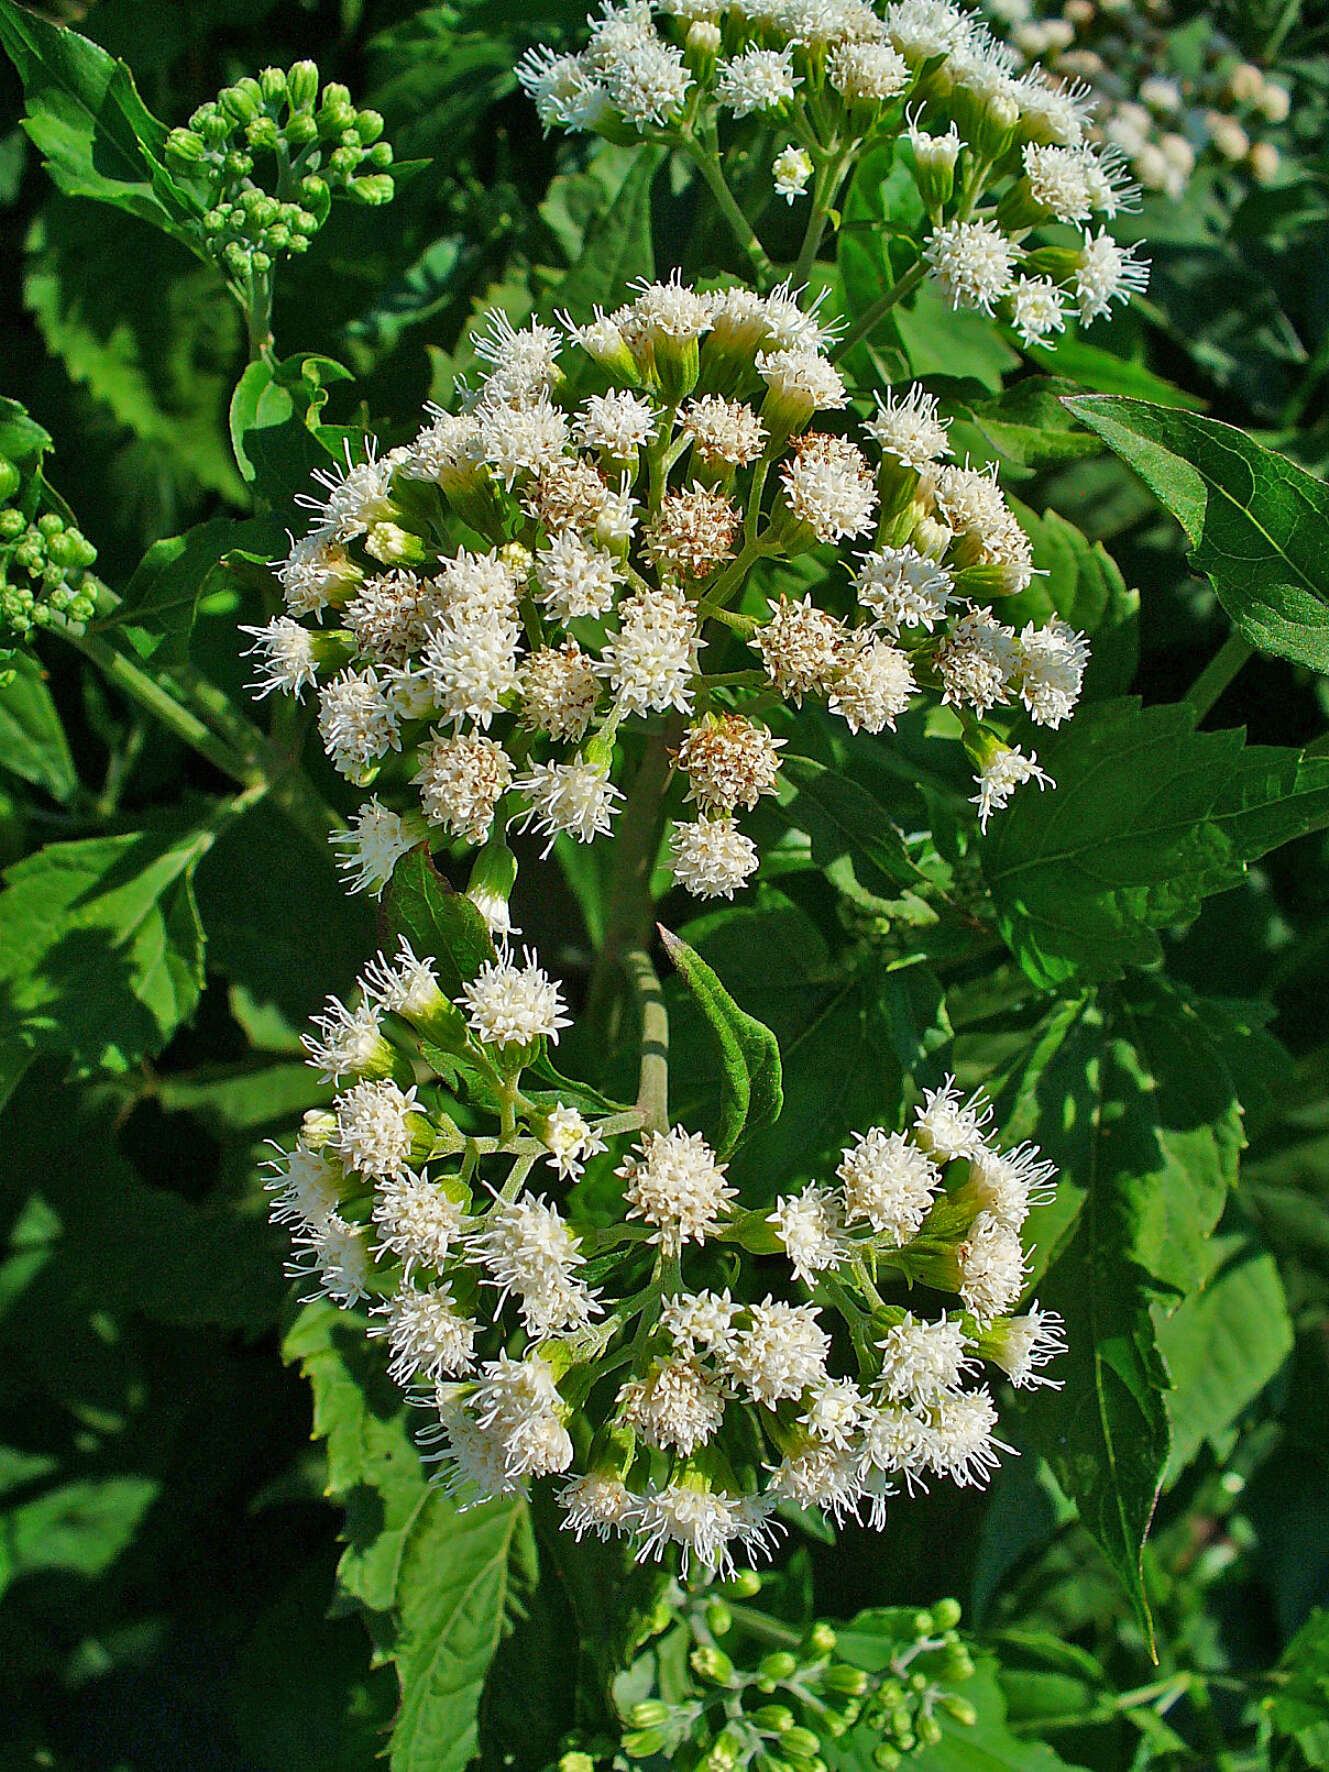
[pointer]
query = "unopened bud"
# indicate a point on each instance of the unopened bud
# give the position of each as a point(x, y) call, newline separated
point(272, 85)
point(712, 1664)
point(648, 1713)
point(946, 1614)
point(778, 1665)
point(302, 85)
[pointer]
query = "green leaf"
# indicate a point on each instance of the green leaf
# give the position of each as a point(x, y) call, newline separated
point(101, 948)
point(1027, 424)
point(749, 1051)
point(79, 1527)
point(1147, 818)
point(32, 740)
point(618, 243)
point(85, 116)
point(440, 924)
point(1299, 1705)
point(1223, 1345)
point(22, 440)
point(842, 818)
point(161, 599)
point(274, 423)
point(443, 1587)
point(1257, 524)
point(1093, 367)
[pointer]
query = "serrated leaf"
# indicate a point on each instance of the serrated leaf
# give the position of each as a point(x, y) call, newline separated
point(101, 948)
point(85, 116)
point(842, 818)
point(161, 599)
point(1257, 524)
point(32, 739)
point(1147, 818)
point(1027, 423)
point(440, 924)
point(276, 436)
point(22, 440)
point(749, 1052)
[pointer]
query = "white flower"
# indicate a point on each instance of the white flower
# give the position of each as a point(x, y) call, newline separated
point(712, 858)
point(705, 1524)
point(1037, 309)
point(520, 440)
point(947, 1126)
point(992, 1267)
point(827, 485)
point(1022, 1346)
point(518, 1401)
point(600, 1503)
point(316, 572)
point(675, 1406)
point(336, 1257)
point(961, 1443)
point(757, 80)
point(563, 88)
point(867, 73)
point(285, 653)
point(835, 1411)
point(559, 690)
point(1061, 180)
point(356, 722)
point(977, 661)
point(521, 364)
point(874, 687)
point(355, 496)
point(1051, 670)
point(374, 1133)
point(781, 1352)
point(527, 1250)
point(406, 985)
point(723, 430)
point(922, 29)
point(305, 1186)
point(791, 170)
point(576, 579)
point(474, 1460)
point(663, 314)
point(896, 1441)
point(701, 1322)
point(577, 797)
point(911, 428)
point(447, 450)
point(674, 1183)
point(820, 1475)
point(693, 531)
point(473, 586)
point(803, 380)
point(1001, 776)
point(416, 1220)
point(1008, 1183)
point(389, 616)
point(1060, 112)
point(646, 79)
point(934, 152)
point(1106, 273)
point(461, 781)
point(570, 1141)
point(619, 423)
point(652, 659)
point(348, 1042)
point(922, 1359)
point(974, 263)
point(509, 1005)
point(730, 761)
point(888, 1181)
point(802, 648)
point(811, 1227)
point(902, 588)
point(470, 665)
point(788, 325)
point(427, 1336)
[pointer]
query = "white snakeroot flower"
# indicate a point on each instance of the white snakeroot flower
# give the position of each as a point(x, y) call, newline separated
point(473, 586)
point(992, 1267)
point(934, 152)
point(563, 88)
point(822, 1476)
point(674, 1183)
point(356, 722)
point(347, 1042)
point(470, 664)
point(730, 761)
point(336, 1257)
point(701, 1322)
point(947, 1126)
point(447, 449)
point(811, 1226)
point(1106, 272)
point(1051, 667)
point(712, 858)
point(901, 588)
point(835, 1411)
point(923, 1359)
point(781, 1353)
point(576, 579)
point(416, 1220)
point(791, 171)
point(867, 73)
point(802, 648)
point(618, 422)
point(803, 381)
point(874, 688)
point(495, 911)
point(528, 1251)
point(427, 1336)
point(910, 428)
point(389, 616)
point(665, 313)
point(405, 985)
point(461, 781)
point(705, 1523)
point(889, 1181)
point(356, 496)
point(1000, 777)
point(1062, 180)
point(896, 1442)
point(1022, 1346)
point(521, 365)
point(652, 659)
point(974, 263)
point(1037, 309)
point(520, 440)
point(374, 1132)
point(646, 81)
point(1008, 1183)
point(575, 797)
point(559, 690)
point(315, 572)
point(1061, 112)
point(600, 1503)
point(827, 485)
point(285, 653)
point(977, 661)
point(510, 1005)
point(692, 532)
point(518, 1401)
point(790, 322)
point(757, 80)
point(305, 1186)
point(961, 1438)
point(723, 430)
point(570, 1141)
point(675, 1406)
point(473, 1460)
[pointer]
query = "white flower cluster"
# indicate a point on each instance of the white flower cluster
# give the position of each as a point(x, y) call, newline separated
point(1165, 119)
point(998, 149)
point(497, 686)
point(528, 1330)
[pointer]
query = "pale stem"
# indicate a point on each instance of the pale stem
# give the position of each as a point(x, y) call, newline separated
point(871, 315)
point(707, 162)
point(1217, 674)
point(653, 1084)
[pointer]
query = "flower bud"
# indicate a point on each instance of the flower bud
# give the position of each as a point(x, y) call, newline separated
point(777, 1717)
point(802, 1742)
point(10, 478)
point(374, 190)
point(822, 1638)
point(185, 148)
point(317, 1127)
point(262, 133)
point(576, 1761)
point(778, 1665)
point(640, 1744)
point(886, 1757)
point(841, 1677)
point(719, 1618)
point(709, 1663)
point(946, 1614)
point(958, 1707)
point(241, 102)
point(745, 1585)
point(380, 155)
point(272, 85)
point(302, 85)
point(393, 545)
point(928, 1730)
point(701, 47)
point(368, 126)
point(648, 1713)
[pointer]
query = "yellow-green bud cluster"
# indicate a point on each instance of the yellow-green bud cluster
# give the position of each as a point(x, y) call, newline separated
point(43, 561)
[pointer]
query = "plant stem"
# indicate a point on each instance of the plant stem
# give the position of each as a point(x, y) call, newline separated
point(1217, 674)
point(707, 162)
point(868, 319)
point(653, 1084)
point(824, 191)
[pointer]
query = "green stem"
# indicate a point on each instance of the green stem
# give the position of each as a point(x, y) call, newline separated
point(653, 1085)
point(824, 191)
point(870, 316)
point(1217, 674)
point(258, 317)
point(707, 162)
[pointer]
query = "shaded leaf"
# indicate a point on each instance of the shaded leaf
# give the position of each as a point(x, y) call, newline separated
point(32, 739)
point(618, 245)
point(842, 818)
point(440, 924)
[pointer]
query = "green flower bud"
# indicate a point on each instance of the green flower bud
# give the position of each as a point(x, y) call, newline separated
point(649, 1713)
point(393, 545)
point(50, 523)
point(237, 165)
point(574, 1761)
point(335, 114)
point(368, 126)
point(300, 129)
point(302, 85)
point(922, 1624)
point(712, 1664)
point(272, 85)
point(746, 1585)
point(241, 101)
point(928, 1730)
point(778, 1665)
point(840, 1677)
point(802, 1742)
point(640, 1744)
point(374, 191)
point(886, 1757)
point(719, 1618)
point(380, 155)
point(214, 221)
point(821, 1638)
point(277, 238)
point(10, 478)
point(342, 162)
point(260, 261)
point(185, 148)
point(305, 222)
point(776, 1717)
point(263, 133)
point(947, 1614)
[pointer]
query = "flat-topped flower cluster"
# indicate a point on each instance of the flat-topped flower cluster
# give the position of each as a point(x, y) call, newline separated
point(578, 1296)
point(1013, 191)
point(573, 557)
